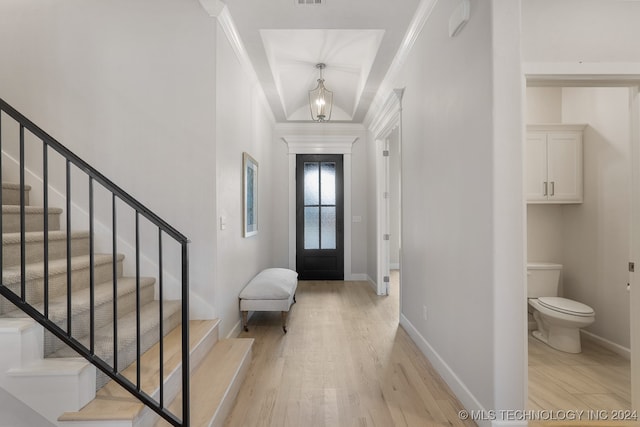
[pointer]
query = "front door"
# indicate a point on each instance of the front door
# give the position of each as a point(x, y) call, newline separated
point(319, 217)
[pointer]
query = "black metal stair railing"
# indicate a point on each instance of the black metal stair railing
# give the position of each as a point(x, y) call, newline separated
point(163, 228)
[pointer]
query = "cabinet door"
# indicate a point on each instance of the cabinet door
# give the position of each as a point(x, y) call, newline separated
point(536, 167)
point(564, 150)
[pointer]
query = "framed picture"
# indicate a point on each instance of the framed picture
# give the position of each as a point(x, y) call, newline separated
point(250, 195)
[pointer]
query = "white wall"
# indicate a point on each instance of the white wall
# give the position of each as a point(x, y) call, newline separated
point(17, 414)
point(130, 87)
point(591, 239)
point(587, 31)
point(462, 242)
point(596, 233)
point(244, 124)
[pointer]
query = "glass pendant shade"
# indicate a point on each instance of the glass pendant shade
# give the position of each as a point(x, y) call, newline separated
point(320, 100)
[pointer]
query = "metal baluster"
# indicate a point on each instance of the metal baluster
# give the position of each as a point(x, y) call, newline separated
point(115, 283)
point(185, 335)
point(1, 216)
point(161, 315)
point(138, 300)
point(92, 282)
point(45, 200)
point(23, 248)
point(68, 247)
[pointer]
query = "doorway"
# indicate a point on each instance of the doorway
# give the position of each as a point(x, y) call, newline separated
point(590, 252)
point(319, 217)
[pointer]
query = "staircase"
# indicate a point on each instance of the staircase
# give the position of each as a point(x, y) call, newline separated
point(115, 321)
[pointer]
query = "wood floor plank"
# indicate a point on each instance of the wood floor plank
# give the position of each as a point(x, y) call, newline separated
point(596, 379)
point(345, 361)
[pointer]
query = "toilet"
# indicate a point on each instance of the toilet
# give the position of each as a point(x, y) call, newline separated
point(558, 320)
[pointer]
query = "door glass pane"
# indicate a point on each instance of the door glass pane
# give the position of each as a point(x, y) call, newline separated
point(328, 228)
point(311, 184)
point(328, 183)
point(311, 228)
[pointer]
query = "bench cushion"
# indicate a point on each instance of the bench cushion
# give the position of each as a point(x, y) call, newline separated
point(271, 284)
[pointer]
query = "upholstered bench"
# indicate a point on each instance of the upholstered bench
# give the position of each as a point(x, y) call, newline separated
point(273, 289)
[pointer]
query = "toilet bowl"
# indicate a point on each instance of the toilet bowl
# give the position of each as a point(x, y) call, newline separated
point(559, 321)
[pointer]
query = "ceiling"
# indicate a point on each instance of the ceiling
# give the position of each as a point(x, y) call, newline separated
point(356, 39)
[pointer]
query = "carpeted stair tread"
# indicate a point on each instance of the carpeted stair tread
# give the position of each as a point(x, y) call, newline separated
point(11, 275)
point(126, 330)
point(11, 186)
point(38, 236)
point(29, 210)
point(80, 299)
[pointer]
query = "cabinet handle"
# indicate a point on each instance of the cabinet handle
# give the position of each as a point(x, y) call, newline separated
point(545, 188)
point(553, 188)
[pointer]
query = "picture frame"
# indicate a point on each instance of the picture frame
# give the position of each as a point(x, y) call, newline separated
point(249, 195)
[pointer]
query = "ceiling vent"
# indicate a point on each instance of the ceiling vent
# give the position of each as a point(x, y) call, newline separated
point(309, 2)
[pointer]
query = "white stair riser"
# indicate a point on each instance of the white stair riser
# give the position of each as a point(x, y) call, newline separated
point(24, 337)
point(58, 284)
point(80, 323)
point(46, 391)
point(34, 222)
point(35, 250)
point(49, 393)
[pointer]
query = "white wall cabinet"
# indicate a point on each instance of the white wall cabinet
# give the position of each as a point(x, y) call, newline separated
point(554, 163)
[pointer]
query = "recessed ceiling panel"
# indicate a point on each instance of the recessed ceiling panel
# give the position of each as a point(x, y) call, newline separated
point(293, 55)
point(357, 39)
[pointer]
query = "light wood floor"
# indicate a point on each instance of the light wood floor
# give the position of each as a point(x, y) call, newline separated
point(596, 379)
point(344, 362)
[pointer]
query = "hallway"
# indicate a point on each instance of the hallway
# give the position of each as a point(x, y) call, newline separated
point(344, 362)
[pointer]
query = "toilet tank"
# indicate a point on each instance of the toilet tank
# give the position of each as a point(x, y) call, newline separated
point(543, 279)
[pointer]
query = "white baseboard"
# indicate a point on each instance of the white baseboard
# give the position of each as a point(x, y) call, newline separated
point(609, 345)
point(460, 390)
point(359, 277)
point(235, 331)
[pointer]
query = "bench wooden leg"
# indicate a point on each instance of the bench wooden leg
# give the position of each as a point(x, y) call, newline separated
point(284, 321)
point(245, 314)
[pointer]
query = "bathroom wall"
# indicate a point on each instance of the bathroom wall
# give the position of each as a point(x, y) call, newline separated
point(544, 222)
point(596, 233)
point(589, 239)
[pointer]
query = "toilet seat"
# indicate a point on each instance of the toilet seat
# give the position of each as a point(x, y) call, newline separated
point(566, 306)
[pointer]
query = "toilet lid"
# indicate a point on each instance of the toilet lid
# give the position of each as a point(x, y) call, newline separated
point(567, 306)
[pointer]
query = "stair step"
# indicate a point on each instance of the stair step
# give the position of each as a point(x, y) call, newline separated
point(215, 383)
point(33, 217)
point(80, 276)
point(112, 402)
point(34, 246)
point(11, 193)
point(103, 300)
point(149, 333)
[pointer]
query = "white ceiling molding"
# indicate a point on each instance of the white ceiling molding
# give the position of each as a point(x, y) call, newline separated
point(313, 144)
point(217, 9)
point(591, 74)
point(388, 116)
point(417, 24)
point(213, 7)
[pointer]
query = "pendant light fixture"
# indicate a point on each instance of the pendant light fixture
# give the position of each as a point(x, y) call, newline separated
point(320, 99)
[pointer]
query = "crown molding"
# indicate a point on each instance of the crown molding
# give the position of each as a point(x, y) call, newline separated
point(213, 7)
point(218, 10)
point(312, 144)
point(389, 115)
point(425, 8)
